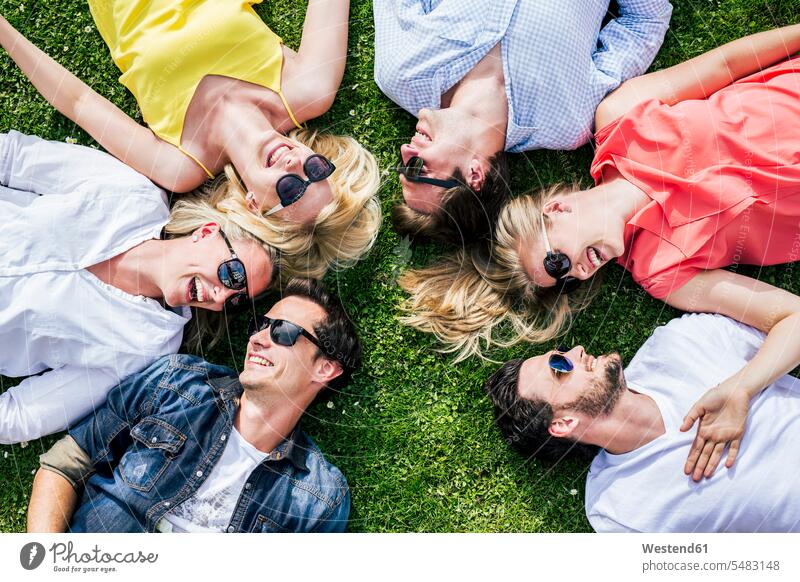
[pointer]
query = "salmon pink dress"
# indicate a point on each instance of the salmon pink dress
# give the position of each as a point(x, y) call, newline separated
point(722, 174)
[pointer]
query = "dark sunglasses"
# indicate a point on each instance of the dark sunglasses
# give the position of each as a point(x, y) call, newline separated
point(560, 363)
point(413, 173)
point(282, 332)
point(291, 187)
point(232, 275)
point(557, 265)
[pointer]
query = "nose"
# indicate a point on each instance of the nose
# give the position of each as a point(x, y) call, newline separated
point(581, 271)
point(576, 354)
point(222, 294)
point(293, 163)
point(261, 339)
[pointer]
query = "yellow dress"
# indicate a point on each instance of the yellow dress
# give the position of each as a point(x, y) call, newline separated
point(164, 48)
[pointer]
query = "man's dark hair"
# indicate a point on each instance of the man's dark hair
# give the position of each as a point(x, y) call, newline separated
point(524, 422)
point(336, 332)
point(465, 215)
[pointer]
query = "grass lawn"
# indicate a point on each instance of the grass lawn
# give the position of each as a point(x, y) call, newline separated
point(413, 433)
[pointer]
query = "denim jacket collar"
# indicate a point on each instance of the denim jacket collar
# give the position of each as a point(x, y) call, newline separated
point(230, 389)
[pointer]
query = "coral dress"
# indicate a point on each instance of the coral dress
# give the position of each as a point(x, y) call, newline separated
point(164, 48)
point(723, 176)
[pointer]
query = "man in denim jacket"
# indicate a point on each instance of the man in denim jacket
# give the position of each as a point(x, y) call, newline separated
point(187, 446)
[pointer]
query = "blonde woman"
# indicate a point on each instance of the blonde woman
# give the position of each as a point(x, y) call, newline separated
point(697, 169)
point(221, 95)
point(90, 289)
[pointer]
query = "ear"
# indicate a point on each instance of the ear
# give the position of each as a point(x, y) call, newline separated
point(326, 370)
point(563, 426)
point(476, 175)
point(556, 206)
point(208, 229)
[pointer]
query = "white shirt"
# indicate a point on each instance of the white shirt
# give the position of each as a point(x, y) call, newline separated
point(646, 490)
point(66, 208)
point(211, 507)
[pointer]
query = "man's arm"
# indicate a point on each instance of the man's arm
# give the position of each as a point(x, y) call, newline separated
point(629, 43)
point(701, 76)
point(53, 501)
point(56, 487)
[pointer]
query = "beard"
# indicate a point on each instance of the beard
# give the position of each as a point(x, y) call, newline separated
point(604, 393)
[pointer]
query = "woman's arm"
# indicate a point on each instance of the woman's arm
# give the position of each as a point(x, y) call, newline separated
point(315, 73)
point(120, 135)
point(701, 76)
point(722, 411)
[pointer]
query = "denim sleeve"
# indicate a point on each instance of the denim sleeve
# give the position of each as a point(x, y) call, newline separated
point(628, 44)
point(105, 435)
point(336, 520)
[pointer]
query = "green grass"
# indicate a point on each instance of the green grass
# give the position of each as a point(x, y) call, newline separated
point(413, 432)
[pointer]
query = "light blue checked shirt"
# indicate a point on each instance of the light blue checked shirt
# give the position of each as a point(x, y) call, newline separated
point(558, 62)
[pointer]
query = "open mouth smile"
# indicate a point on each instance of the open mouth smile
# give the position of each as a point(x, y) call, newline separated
point(594, 256)
point(276, 154)
point(259, 361)
point(195, 291)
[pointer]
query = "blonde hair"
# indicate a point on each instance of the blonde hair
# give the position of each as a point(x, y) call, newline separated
point(469, 299)
point(187, 215)
point(343, 231)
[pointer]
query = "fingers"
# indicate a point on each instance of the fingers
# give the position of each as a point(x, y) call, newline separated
point(694, 454)
point(691, 417)
point(713, 461)
point(732, 452)
point(702, 461)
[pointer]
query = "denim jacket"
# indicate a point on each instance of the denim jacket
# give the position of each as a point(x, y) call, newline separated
point(160, 434)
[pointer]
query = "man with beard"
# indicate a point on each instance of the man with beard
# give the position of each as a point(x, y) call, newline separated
point(635, 423)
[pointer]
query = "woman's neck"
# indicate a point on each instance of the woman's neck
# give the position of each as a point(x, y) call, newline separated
point(617, 197)
point(133, 270)
point(224, 111)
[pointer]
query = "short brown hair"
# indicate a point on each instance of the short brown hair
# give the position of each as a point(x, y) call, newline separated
point(465, 215)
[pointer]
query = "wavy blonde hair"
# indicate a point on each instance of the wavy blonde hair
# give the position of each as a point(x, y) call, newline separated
point(187, 215)
point(343, 231)
point(481, 297)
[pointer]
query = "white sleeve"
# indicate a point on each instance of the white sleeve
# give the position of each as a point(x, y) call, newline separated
point(32, 164)
point(604, 524)
point(52, 401)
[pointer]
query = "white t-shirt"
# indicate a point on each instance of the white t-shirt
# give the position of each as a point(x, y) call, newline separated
point(646, 490)
point(211, 507)
point(65, 208)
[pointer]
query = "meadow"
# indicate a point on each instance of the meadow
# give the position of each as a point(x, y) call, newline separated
point(413, 432)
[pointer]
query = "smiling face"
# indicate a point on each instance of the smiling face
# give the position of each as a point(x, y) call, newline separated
point(442, 141)
point(278, 156)
point(589, 244)
point(593, 387)
point(191, 275)
point(288, 368)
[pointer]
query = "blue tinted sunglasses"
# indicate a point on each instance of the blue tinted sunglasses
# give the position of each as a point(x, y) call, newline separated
point(560, 363)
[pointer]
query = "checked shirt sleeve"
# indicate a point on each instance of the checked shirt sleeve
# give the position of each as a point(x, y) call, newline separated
point(628, 44)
